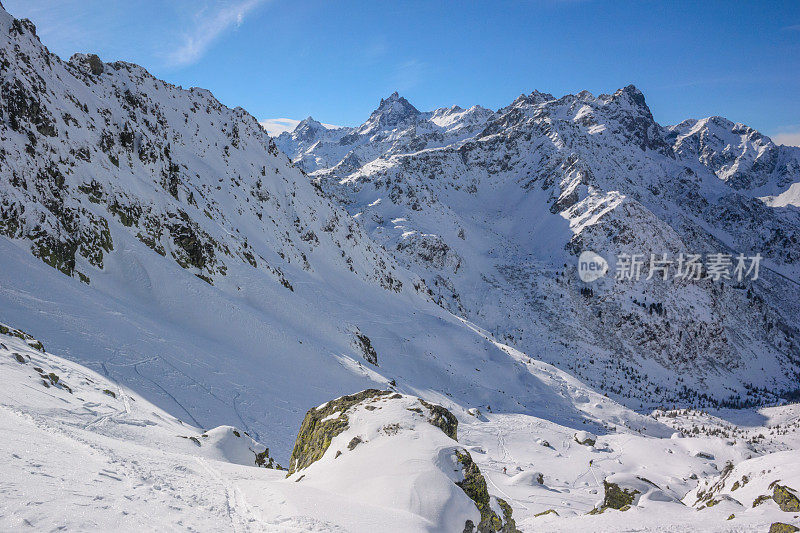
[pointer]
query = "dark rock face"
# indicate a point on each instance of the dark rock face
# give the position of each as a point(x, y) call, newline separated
point(95, 64)
point(442, 419)
point(393, 110)
point(263, 459)
point(367, 350)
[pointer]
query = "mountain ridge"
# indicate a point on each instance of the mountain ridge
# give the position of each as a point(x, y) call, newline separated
point(160, 238)
point(603, 174)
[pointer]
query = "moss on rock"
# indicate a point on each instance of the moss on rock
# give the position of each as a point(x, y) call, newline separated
point(317, 429)
point(324, 423)
point(509, 526)
point(780, 527)
point(786, 498)
point(474, 486)
point(617, 497)
point(19, 334)
point(761, 499)
point(442, 419)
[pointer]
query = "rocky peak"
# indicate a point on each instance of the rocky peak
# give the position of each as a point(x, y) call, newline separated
point(392, 111)
point(535, 98)
point(307, 123)
point(632, 96)
point(87, 63)
point(308, 129)
point(18, 26)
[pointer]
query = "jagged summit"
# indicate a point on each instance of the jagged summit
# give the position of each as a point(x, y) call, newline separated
point(534, 98)
point(309, 121)
point(391, 112)
point(308, 129)
point(630, 98)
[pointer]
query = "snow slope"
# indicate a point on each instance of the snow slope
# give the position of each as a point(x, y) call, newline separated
point(86, 453)
point(160, 239)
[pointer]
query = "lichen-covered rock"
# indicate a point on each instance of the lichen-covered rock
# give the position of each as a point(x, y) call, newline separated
point(761, 499)
point(780, 527)
point(405, 446)
point(786, 498)
point(623, 491)
point(322, 424)
point(442, 419)
point(327, 421)
point(617, 497)
point(474, 486)
point(18, 333)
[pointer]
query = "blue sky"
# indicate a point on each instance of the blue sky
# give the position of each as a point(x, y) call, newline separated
point(335, 60)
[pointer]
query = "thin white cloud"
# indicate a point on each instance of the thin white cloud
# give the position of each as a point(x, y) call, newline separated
point(408, 75)
point(787, 138)
point(276, 126)
point(209, 25)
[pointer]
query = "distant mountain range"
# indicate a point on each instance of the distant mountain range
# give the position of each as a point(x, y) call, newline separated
point(492, 208)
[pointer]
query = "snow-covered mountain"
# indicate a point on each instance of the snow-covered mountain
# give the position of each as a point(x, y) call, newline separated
point(160, 238)
point(491, 209)
point(190, 295)
point(395, 127)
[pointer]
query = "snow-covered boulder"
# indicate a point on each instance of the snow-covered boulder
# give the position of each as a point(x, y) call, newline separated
point(400, 452)
point(527, 477)
point(623, 491)
point(585, 438)
point(232, 445)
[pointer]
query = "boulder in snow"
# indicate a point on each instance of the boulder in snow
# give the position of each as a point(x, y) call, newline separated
point(585, 438)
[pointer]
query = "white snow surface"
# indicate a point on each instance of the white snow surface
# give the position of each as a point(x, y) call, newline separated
point(79, 458)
